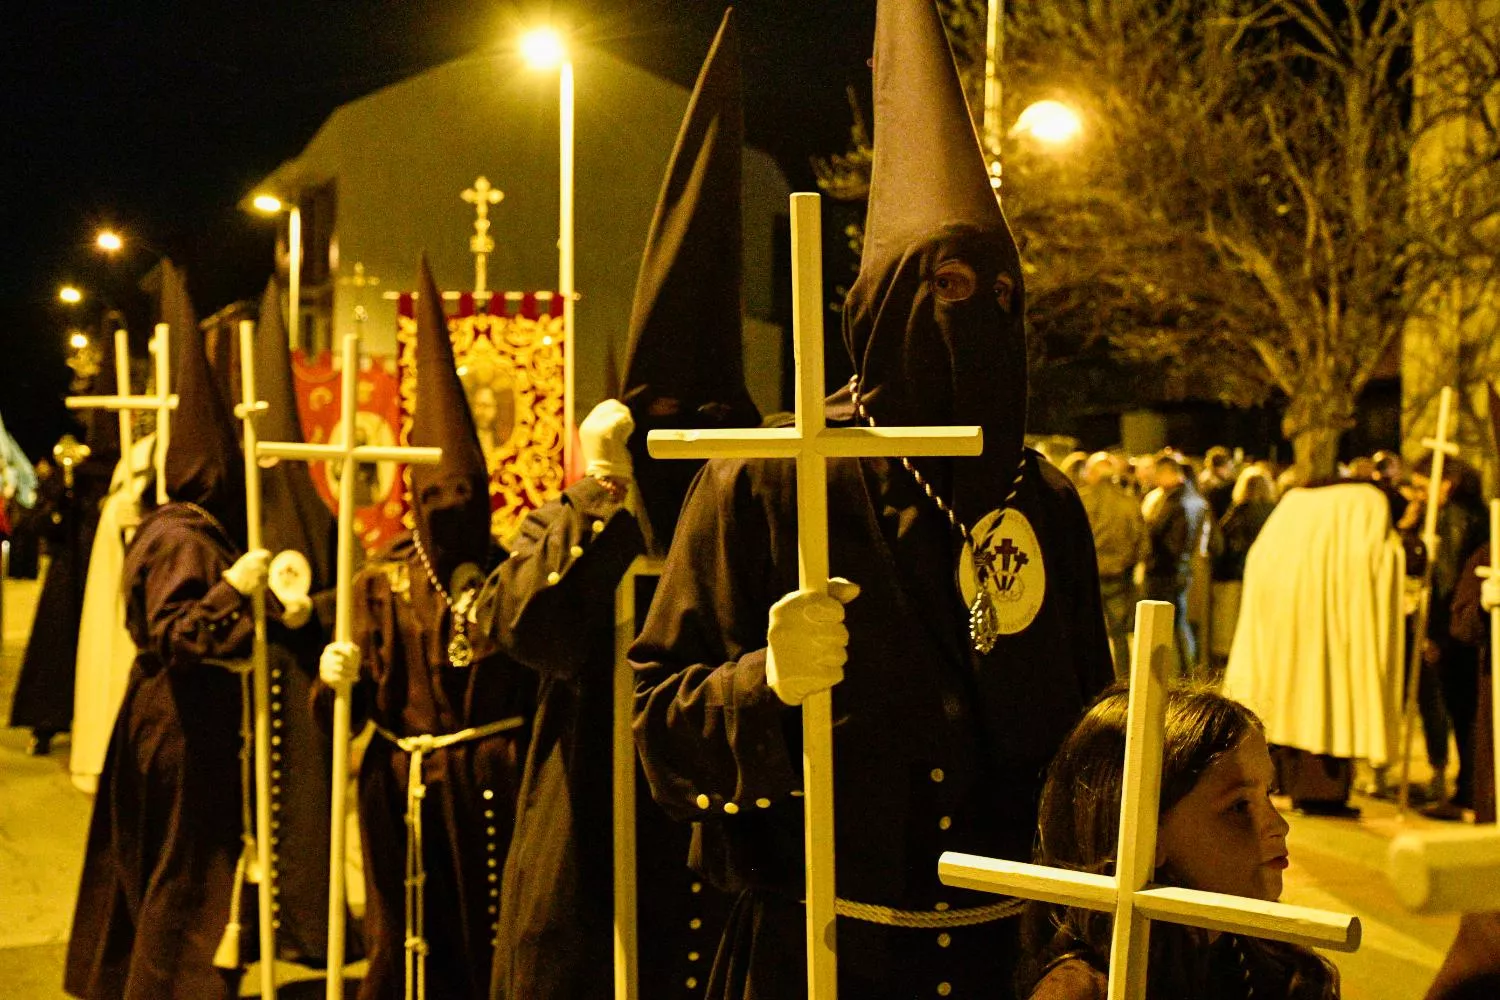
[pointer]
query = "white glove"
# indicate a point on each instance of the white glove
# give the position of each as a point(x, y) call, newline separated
point(249, 572)
point(339, 664)
point(296, 611)
point(806, 642)
point(602, 436)
point(1489, 593)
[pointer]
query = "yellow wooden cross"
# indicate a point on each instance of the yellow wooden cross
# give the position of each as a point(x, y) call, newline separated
point(811, 443)
point(1128, 894)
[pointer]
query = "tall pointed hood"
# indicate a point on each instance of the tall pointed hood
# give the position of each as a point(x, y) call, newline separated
point(295, 516)
point(684, 366)
point(450, 500)
point(203, 458)
point(935, 320)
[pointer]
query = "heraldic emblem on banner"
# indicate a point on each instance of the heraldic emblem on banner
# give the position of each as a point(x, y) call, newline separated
point(510, 360)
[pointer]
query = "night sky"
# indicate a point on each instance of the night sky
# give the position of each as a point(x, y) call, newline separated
point(156, 118)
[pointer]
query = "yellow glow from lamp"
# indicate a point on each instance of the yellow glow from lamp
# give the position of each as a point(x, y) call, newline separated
point(78, 340)
point(108, 241)
point(1052, 122)
point(543, 48)
point(69, 294)
point(268, 203)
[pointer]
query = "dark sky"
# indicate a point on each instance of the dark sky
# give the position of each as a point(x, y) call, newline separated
point(157, 117)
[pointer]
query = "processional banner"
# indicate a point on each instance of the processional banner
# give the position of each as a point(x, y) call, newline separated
point(509, 349)
point(379, 498)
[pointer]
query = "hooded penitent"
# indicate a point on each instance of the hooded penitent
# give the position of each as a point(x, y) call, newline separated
point(203, 458)
point(450, 500)
point(934, 321)
point(685, 363)
point(295, 516)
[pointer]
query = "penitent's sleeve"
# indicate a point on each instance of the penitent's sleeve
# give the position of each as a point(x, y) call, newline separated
point(711, 733)
point(192, 614)
point(541, 604)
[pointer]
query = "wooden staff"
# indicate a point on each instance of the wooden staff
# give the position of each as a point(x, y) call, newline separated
point(1441, 449)
point(811, 443)
point(1129, 894)
point(349, 456)
point(251, 405)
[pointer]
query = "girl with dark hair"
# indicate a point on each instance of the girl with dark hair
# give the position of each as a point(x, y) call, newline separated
point(1218, 832)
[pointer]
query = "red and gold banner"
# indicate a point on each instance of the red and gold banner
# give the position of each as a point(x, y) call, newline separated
point(510, 360)
point(379, 495)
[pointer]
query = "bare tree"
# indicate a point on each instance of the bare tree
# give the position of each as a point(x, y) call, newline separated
point(1241, 210)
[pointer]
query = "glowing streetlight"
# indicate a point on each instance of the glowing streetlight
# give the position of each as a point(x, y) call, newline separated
point(79, 340)
point(109, 241)
point(543, 49)
point(272, 205)
point(70, 294)
point(1051, 122)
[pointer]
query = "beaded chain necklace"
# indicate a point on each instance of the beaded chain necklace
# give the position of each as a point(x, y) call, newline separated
point(984, 629)
point(460, 650)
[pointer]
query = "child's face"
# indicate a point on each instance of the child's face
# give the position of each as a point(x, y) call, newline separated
point(1225, 835)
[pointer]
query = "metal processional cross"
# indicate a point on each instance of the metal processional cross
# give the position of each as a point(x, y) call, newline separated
point(349, 454)
point(811, 443)
point(1128, 894)
point(481, 196)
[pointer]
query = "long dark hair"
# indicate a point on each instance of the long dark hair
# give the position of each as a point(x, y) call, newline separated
point(1077, 827)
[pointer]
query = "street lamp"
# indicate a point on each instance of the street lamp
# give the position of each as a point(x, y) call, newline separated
point(69, 295)
point(109, 241)
point(269, 204)
point(1050, 122)
point(543, 49)
point(78, 341)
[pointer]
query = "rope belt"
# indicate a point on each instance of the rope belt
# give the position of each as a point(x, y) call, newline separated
point(889, 916)
point(416, 873)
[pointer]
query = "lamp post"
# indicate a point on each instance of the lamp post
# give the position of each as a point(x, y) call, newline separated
point(543, 49)
point(272, 205)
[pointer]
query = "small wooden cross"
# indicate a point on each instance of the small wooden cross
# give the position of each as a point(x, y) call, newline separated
point(1441, 448)
point(811, 443)
point(349, 455)
point(1128, 893)
point(163, 402)
point(481, 196)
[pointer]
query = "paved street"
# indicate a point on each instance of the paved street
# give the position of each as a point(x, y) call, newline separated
point(1336, 864)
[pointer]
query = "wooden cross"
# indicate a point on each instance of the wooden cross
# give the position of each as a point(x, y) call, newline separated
point(349, 455)
point(1441, 448)
point(163, 402)
point(627, 969)
point(1458, 870)
point(481, 196)
point(811, 443)
point(1128, 894)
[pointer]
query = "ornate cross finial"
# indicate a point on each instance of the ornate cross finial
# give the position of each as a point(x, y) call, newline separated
point(481, 196)
point(359, 281)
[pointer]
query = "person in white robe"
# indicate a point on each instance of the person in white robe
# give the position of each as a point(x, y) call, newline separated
point(1318, 650)
point(105, 650)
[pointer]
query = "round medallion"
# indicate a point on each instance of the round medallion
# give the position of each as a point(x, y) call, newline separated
point(460, 653)
point(1002, 573)
point(290, 576)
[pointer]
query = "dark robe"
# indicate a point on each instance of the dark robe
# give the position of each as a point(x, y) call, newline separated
point(1471, 970)
point(402, 626)
point(44, 691)
point(936, 747)
point(165, 833)
point(557, 911)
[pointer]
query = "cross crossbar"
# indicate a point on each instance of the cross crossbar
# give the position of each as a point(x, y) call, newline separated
point(163, 402)
point(1129, 894)
point(811, 442)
